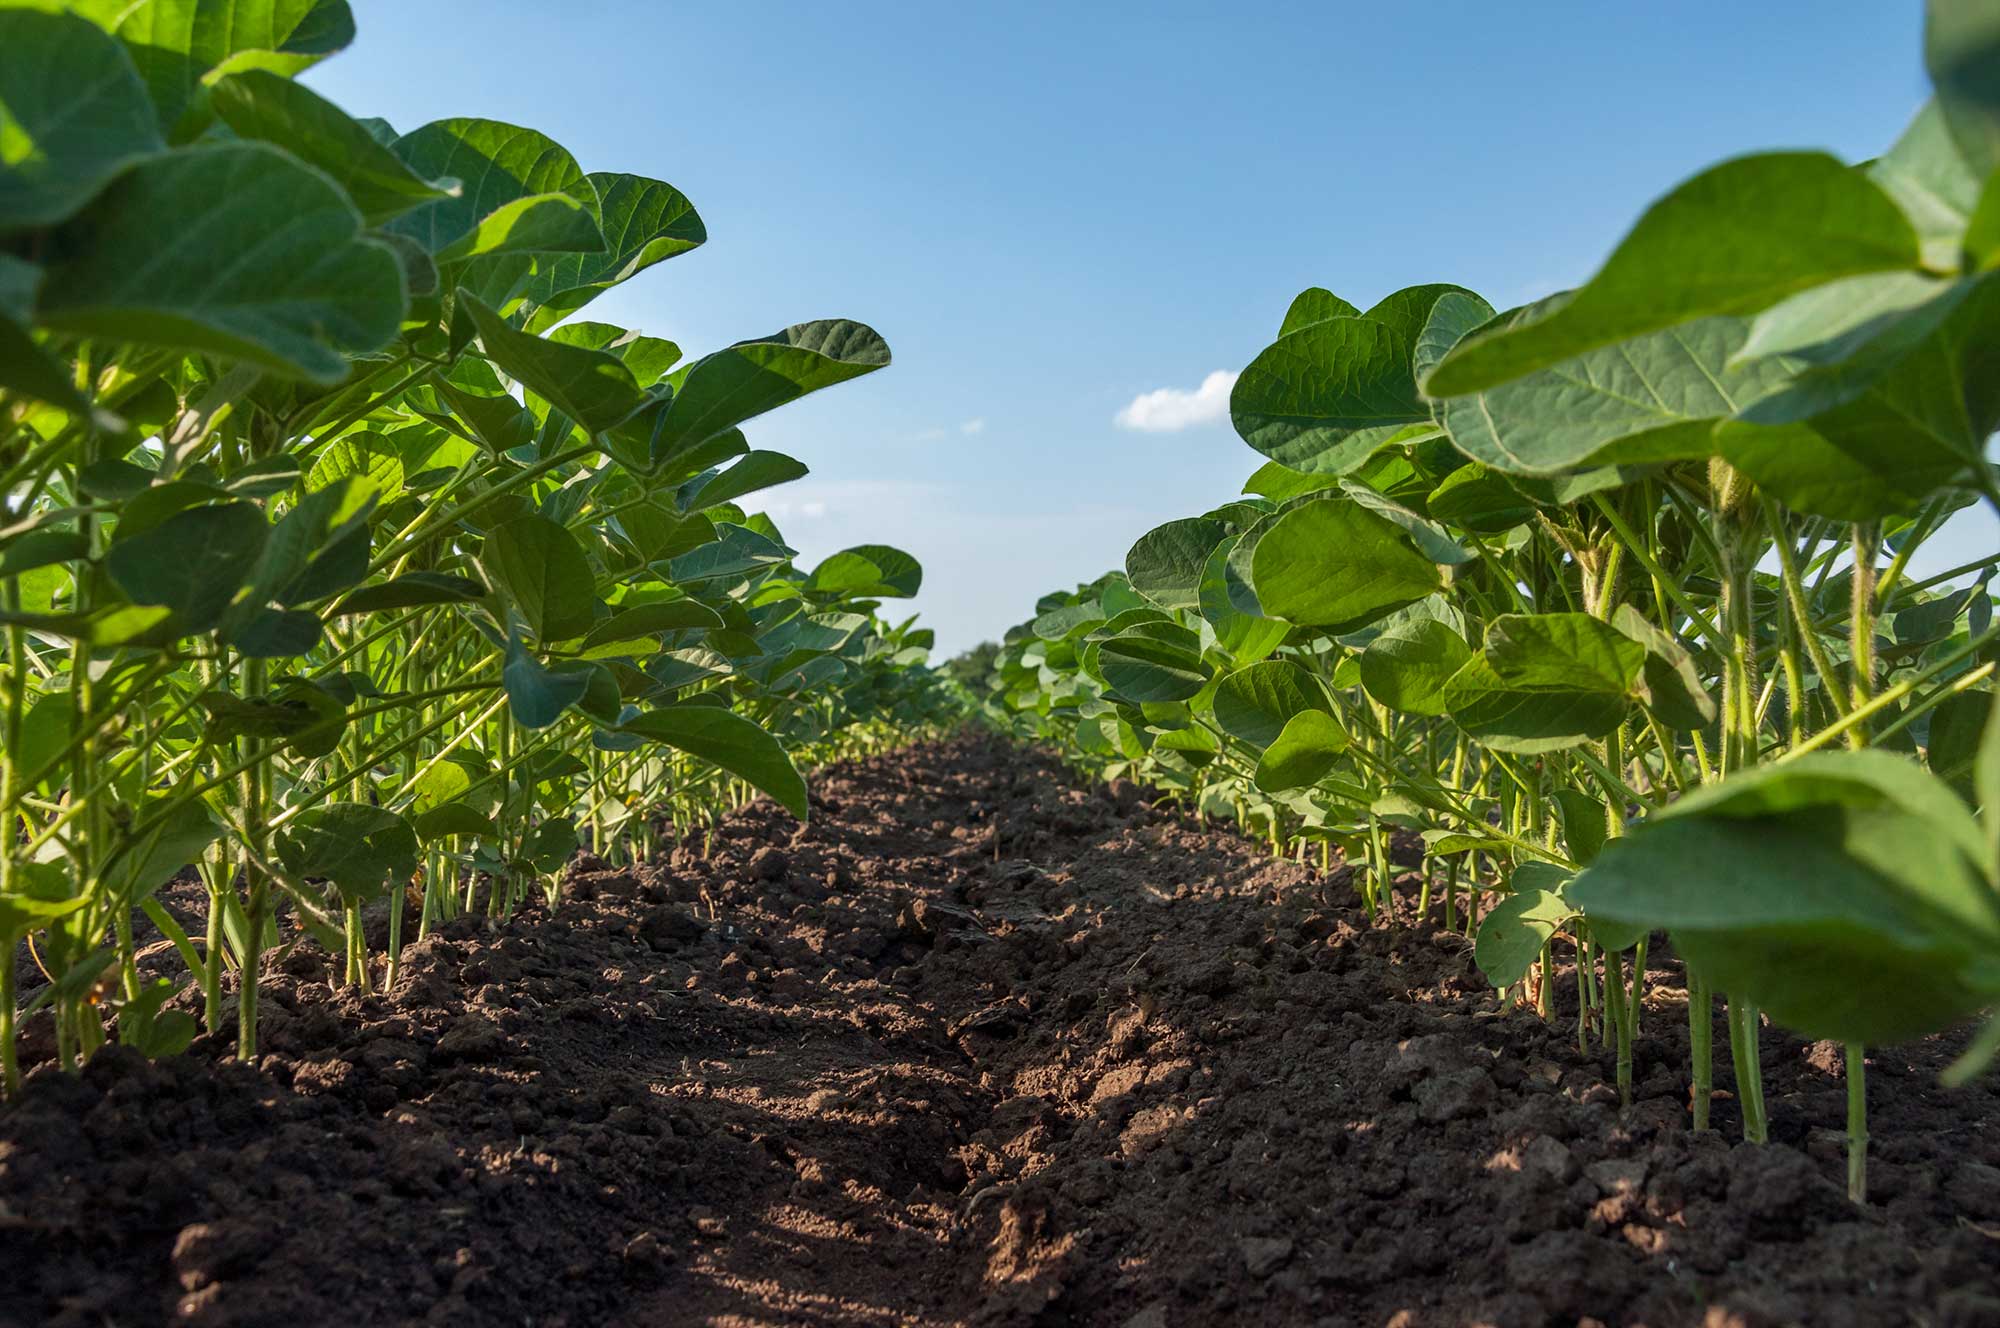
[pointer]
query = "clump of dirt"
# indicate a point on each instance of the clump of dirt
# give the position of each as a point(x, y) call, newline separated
point(977, 1046)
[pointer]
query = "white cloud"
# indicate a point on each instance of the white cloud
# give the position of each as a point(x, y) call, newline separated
point(973, 426)
point(1171, 409)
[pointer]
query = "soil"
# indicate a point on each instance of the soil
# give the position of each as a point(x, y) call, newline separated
point(978, 1046)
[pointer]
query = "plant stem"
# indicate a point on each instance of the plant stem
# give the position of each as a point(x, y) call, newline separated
point(1857, 1123)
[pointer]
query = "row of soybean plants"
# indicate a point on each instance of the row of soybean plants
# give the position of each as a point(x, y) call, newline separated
point(337, 554)
point(1609, 599)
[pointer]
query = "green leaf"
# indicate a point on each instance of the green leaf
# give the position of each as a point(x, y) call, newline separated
point(1281, 483)
point(1245, 635)
point(26, 912)
point(370, 464)
point(1859, 443)
point(644, 222)
point(1142, 667)
point(73, 114)
point(1303, 753)
point(1513, 932)
point(1315, 304)
point(1670, 686)
point(176, 43)
point(873, 570)
point(536, 224)
point(1926, 174)
point(756, 471)
point(592, 387)
point(1570, 652)
point(723, 738)
point(1166, 564)
point(722, 390)
point(1842, 892)
point(1737, 238)
point(409, 591)
point(1256, 702)
point(649, 620)
point(1328, 393)
point(1653, 398)
point(1408, 666)
point(1526, 720)
point(1962, 53)
point(264, 106)
point(496, 421)
point(536, 695)
point(1479, 500)
point(1331, 562)
point(1585, 823)
point(235, 250)
point(542, 570)
point(193, 563)
point(499, 163)
point(144, 862)
point(362, 850)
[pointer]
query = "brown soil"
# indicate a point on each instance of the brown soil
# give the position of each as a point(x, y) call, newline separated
point(977, 1047)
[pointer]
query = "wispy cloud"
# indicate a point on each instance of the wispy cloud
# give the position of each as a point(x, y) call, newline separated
point(1170, 409)
point(973, 426)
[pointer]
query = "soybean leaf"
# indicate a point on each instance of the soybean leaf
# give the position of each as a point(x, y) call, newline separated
point(411, 590)
point(1585, 823)
point(259, 104)
point(360, 849)
point(1331, 562)
point(535, 224)
point(1167, 562)
point(756, 471)
point(1523, 719)
point(1962, 51)
point(1735, 239)
point(1142, 667)
point(1512, 934)
point(175, 43)
point(73, 114)
point(1256, 702)
point(1653, 398)
point(1330, 392)
point(592, 387)
point(499, 163)
point(536, 695)
point(722, 390)
point(1407, 667)
point(647, 620)
point(542, 570)
point(236, 250)
point(1844, 893)
point(1304, 752)
point(193, 563)
point(643, 222)
point(875, 570)
point(728, 740)
point(1315, 304)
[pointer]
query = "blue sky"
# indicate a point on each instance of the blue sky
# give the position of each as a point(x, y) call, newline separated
point(1052, 210)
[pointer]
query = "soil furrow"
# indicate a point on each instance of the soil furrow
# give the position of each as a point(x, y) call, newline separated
point(977, 1046)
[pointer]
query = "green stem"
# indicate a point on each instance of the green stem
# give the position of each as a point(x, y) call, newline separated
point(1857, 1123)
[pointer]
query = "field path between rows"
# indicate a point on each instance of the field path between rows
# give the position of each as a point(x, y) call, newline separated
point(980, 1046)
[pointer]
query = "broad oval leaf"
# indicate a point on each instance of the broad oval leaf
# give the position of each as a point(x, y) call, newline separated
point(73, 114)
point(235, 250)
point(728, 740)
point(1735, 239)
point(1331, 562)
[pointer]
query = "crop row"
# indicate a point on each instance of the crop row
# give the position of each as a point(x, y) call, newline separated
point(1609, 599)
point(342, 562)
